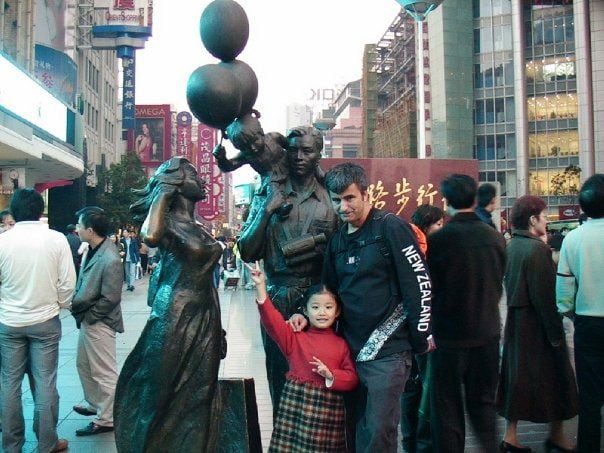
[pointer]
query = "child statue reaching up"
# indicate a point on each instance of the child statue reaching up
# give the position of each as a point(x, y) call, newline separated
point(265, 153)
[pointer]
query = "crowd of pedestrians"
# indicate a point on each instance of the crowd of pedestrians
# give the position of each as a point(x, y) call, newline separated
point(383, 322)
point(42, 271)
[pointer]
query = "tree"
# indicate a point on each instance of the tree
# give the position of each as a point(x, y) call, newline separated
point(119, 182)
point(566, 182)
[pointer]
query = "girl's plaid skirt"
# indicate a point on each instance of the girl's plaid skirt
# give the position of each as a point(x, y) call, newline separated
point(309, 419)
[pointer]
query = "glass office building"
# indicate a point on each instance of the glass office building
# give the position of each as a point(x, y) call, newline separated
point(537, 96)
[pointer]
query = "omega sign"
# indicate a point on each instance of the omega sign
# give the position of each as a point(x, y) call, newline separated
point(150, 111)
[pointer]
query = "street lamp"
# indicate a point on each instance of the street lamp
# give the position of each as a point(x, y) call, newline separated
point(419, 10)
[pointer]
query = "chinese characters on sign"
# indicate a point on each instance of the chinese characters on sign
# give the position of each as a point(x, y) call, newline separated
point(378, 195)
point(183, 134)
point(128, 104)
point(207, 169)
point(401, 185)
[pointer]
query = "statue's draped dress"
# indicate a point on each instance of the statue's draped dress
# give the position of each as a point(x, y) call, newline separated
point(165, 393)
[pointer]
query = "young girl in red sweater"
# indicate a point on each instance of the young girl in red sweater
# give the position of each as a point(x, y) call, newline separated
point(311, 410)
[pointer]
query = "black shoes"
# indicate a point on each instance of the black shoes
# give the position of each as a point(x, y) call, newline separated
point(82, 410)
point(93, 429)
point(551, 447)
point(504, 447)
point(130, 288)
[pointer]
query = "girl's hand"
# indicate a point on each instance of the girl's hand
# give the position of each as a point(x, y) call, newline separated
point(321, 369)
point(256, 274)
point(259, 279)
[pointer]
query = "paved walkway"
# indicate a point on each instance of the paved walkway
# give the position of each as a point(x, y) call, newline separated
point(245, 358)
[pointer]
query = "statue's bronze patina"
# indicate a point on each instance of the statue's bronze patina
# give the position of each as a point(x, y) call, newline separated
point(165, 397)
point(289, 223)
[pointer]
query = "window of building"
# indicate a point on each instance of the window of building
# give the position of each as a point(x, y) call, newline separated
point(558, 106)
point(350, 150)
point(554, 144)
point(554, 181)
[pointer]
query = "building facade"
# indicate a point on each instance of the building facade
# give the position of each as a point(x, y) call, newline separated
point(49, 43)
point(518, 85)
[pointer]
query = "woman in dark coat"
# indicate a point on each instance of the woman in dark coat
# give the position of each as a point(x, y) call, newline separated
point(165, 393)
point(536, 382)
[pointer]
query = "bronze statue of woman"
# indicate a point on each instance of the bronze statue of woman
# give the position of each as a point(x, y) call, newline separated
point(166, 389)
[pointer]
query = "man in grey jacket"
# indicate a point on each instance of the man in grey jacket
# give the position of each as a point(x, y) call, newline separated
point(97, 311)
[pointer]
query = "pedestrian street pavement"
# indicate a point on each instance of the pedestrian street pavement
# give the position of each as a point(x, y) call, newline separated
point(245, 358)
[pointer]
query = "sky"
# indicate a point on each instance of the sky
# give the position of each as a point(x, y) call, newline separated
point(293, 47)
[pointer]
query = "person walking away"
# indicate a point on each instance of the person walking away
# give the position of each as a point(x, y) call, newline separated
point(96, 308)
point(579, 290)
point(311, 413)
point(536, 381)
point(131, 259)
point(38, 278)
point(466, 259)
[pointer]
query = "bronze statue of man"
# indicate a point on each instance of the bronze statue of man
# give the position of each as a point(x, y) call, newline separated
point(290, 221)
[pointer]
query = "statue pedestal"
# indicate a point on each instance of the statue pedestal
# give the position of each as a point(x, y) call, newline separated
point(239, 431)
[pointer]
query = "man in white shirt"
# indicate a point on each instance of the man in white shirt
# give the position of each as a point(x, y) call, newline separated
point(37, 278)
point(579, 294)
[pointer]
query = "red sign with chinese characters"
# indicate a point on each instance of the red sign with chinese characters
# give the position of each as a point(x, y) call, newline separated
point(401, 185)
point(183, 135)
point(207, 169)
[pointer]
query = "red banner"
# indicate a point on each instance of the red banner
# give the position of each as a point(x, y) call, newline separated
point(569, 211)
point(401, 185)
point(205, 163)
point(183, 135)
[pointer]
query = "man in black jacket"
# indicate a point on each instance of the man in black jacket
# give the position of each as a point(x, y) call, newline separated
point(467, 261)
point(373, 263)
point(97, 310)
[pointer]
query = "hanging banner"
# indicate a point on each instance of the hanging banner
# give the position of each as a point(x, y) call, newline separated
point(207, 169)
point(183, 135)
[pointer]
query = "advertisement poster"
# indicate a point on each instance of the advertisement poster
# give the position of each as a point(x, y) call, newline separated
point(152, 137)
point(57, 72)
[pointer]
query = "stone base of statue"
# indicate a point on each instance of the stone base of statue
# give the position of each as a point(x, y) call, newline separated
point(239, 431)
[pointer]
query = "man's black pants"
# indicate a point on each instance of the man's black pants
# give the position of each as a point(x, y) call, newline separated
point(455, 373)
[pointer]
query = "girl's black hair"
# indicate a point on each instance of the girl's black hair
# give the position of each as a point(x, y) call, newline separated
point(318, 288)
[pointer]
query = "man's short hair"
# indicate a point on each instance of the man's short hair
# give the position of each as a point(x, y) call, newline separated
point(459, 190)
point(342, 176)
point(486, 193)
point(301, 131)
point(591, 196)
point(95, 218)
point(26, 204)
point(70, 228)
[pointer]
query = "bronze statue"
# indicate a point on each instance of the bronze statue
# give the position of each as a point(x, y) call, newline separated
point(165, 396)
point(263, 152)
point(290, 220)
